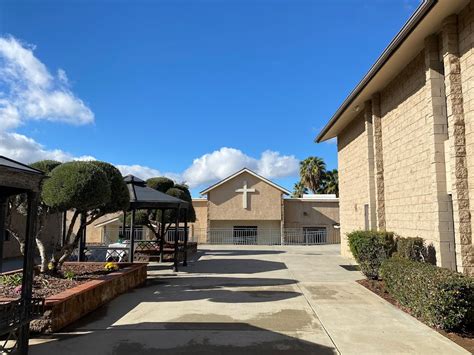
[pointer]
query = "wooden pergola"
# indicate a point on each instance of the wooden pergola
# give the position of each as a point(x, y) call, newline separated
point(146, 198)
point(15, 179)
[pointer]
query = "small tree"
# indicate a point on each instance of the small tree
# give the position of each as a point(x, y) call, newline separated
point(91, 189)
point(312, 170)
point(299, 190)
point(17, 204)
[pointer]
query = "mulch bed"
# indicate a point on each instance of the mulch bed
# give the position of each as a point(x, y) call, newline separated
point(466, 340)
point(49, 285)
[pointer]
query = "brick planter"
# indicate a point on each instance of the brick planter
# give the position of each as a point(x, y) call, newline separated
point(68, 306)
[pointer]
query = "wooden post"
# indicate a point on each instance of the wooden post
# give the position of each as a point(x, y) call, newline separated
point(28, 271)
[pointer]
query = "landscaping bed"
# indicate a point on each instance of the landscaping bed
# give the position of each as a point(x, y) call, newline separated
point(67, 300)
point(465, 340)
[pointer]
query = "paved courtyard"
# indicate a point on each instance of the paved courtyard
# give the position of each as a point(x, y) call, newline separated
point(250, 300)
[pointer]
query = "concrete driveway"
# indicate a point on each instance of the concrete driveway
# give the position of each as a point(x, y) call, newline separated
point(251, 300)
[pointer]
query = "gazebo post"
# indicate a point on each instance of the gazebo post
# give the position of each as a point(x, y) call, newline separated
point(132, 232)
point(3, 214)
point(162, 233)
point(185, 257)
point(28, 271)
point(82, 240)
point(176, 237)
point(124, 225)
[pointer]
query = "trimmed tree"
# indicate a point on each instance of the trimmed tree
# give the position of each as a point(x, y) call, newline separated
point(91, 189)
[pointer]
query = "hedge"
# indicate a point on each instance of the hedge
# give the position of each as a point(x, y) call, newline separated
point(370, 249)
point(440, 297)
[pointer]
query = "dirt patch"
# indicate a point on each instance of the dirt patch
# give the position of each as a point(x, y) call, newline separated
point(378, 287)
point(49, 285)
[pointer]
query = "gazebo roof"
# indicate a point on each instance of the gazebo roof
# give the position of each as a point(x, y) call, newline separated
point(16, 177)
point(142, 196)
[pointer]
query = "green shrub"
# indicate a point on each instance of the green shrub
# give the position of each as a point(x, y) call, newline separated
point(440, 297)
point(411, 248)
point(370, 249)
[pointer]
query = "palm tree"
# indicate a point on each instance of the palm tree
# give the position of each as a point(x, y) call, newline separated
point(299, 190)
point(331, 182)
point(312, 170)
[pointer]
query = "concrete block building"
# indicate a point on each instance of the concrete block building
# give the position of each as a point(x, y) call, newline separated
point(406, 136)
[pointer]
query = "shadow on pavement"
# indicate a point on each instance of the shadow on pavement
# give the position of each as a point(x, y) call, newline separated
point(236, 252)
point(180, 338)
point(232, 266)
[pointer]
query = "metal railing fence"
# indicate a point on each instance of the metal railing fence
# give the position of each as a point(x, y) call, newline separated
point(262, 236)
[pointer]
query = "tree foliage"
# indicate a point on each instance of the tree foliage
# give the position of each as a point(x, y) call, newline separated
point(312, 170)
point(315, 177)
point(299, 190)
point(161, 183)
point(77, 185)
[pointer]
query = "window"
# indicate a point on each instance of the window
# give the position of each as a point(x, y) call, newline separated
point(245, 235)
point(7, 236)
point(315, 235)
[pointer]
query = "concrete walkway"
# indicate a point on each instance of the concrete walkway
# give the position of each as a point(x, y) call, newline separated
point(251, 300)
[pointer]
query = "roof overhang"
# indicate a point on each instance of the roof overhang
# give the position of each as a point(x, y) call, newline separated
point(245, 170)
point(425, 21)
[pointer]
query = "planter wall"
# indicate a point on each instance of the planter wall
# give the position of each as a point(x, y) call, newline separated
point(68, 306)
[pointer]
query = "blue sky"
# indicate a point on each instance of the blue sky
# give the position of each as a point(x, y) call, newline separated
point(191, 89)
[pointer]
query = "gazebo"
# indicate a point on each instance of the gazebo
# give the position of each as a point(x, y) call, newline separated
point(146, 198)
point(17, 178)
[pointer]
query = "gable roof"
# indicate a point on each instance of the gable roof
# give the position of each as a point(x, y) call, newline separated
point(409, 41)
point(244, 170)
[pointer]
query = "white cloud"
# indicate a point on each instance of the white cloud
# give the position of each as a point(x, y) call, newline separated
point(28, 91)
point(226, 161)
point(19, 147)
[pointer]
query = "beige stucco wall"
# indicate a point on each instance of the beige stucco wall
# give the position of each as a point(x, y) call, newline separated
point(226, 204)
point(198, 228)
point(353, 178)
point(300, 213)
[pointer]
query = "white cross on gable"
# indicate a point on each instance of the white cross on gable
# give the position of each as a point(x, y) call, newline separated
point(245, 190)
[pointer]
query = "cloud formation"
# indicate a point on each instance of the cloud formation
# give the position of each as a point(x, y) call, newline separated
point(28, 91)
point(19, 147)
point(221, 163)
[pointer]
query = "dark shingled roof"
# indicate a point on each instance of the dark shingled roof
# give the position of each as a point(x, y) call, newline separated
point(142, 196)
point(12, 164)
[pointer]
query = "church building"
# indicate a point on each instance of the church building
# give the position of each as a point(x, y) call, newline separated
point(246, 208)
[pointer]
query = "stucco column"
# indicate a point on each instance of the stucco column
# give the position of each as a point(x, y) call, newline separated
point(378, 162)
point(457, 145)
point(437, 122)
point(370, 160)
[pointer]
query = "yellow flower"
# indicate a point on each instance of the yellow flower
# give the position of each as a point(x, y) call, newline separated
point(111, 266)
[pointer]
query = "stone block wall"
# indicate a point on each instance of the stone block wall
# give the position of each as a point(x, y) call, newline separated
point(353, 178)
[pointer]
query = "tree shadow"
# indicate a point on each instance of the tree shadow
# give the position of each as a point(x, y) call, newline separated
point(225, 252)
point(202, 338)
point(232, 290)
point(233, 266)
